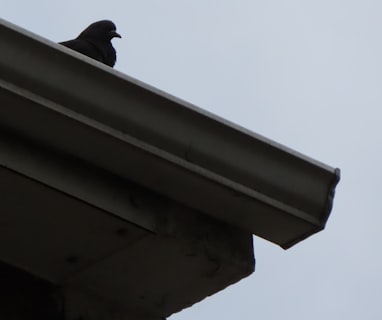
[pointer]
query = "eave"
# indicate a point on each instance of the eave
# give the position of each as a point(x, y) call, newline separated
point(66, 102)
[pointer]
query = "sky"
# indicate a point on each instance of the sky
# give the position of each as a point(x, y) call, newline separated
point(306, 74)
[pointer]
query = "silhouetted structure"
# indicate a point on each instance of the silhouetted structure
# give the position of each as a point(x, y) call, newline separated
point(122, 202)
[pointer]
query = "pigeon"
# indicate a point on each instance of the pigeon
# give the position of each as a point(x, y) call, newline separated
point(95, 42)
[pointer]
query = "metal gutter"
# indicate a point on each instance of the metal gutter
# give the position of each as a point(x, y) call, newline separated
point(77, 106)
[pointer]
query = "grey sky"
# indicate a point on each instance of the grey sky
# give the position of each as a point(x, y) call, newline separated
point(307, 74)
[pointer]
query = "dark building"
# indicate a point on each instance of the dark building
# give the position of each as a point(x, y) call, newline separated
point(119, 201)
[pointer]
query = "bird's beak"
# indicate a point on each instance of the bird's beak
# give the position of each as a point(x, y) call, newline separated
point(114, 34)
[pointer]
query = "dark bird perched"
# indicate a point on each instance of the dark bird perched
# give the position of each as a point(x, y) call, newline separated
point(95, 42)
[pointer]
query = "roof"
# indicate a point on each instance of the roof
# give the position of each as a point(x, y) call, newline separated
point(67, 102)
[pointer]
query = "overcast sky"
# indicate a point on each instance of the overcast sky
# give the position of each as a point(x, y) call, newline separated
point(307, 74)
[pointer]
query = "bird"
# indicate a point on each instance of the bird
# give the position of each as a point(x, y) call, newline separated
point(95, 42)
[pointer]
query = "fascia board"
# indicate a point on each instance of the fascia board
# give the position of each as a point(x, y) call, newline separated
point(83, 108)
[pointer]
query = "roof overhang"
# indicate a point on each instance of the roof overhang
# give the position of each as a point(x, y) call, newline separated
point(67, 102)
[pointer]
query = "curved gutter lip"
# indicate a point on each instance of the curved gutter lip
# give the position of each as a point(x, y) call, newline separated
point(327, 209)
point(331, 193)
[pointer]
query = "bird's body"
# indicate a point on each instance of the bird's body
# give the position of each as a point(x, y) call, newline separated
point(95, 42)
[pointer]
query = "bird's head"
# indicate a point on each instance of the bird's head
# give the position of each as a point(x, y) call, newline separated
point(103, 30)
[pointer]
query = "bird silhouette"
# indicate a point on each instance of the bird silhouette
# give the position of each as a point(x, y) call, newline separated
point(95, 42)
